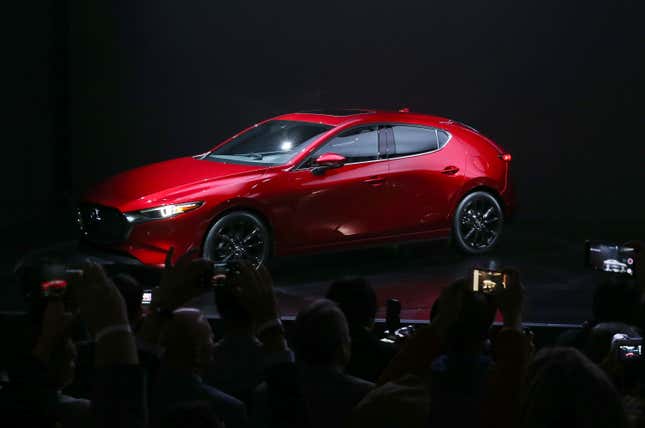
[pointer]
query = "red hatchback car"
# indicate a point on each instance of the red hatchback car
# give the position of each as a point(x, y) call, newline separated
point(310, 181)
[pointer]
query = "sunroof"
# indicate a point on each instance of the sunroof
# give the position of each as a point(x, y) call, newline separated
point(337, 111)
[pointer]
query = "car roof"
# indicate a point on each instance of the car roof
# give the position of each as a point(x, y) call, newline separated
point(336, 117)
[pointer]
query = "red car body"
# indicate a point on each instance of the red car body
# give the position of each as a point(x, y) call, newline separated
point(387, 200)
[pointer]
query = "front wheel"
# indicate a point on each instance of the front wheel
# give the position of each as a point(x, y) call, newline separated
point(238, 235)
point(477, 224)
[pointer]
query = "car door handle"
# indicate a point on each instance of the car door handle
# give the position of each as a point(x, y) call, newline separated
point(450, 170)
point(375, 181)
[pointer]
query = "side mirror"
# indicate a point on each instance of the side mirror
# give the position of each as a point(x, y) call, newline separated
point(328, 161)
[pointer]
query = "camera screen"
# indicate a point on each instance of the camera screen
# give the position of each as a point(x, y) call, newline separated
point(147, 297)
point(628, 352)
point(612, 258)
point(54, 287)
point(488, 281)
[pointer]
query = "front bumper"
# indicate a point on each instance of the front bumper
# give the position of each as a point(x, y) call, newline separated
point(148, 242)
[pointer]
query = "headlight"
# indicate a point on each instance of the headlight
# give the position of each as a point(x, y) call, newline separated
point(159, 213)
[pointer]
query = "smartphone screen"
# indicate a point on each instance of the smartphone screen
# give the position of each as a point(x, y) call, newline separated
point(147, 297)
point(628, 352)
point(53, 288)
point(611, 257)
point(489, 281)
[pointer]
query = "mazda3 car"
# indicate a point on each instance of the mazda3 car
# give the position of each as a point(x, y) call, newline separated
point(307, 182)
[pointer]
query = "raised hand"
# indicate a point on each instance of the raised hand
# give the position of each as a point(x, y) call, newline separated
point(254, 289)
point(183, 281)
point(53, 329)
point(450, 302)
point(99, 302)
point(511, 300)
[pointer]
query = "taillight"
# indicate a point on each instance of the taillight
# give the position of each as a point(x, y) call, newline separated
point(506, 157)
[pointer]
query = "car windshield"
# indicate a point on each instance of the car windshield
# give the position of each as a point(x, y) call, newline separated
point(271, 143)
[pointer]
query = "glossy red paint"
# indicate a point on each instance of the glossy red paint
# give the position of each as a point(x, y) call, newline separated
point(361, 203)
point(330, 159)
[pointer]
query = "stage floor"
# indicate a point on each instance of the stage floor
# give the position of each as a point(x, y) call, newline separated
point(548, 255)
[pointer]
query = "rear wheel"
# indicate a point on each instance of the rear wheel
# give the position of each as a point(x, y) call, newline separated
point(238, 235)
point(478, 222)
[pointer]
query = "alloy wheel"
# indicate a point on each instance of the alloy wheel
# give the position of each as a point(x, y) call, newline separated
point(478, 223)
point(236, 236)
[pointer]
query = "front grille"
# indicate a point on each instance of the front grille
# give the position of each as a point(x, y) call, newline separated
point(102, 225)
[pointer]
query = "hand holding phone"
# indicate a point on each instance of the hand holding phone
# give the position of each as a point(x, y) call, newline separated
point(626, 348)
point(511, 300)
point(56, 280)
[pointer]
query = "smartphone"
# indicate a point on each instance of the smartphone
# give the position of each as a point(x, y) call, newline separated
point(627, 348)
point(610, 257)
point(146, 298)
point(56, 283)
point(489, 281)
point(53, 288)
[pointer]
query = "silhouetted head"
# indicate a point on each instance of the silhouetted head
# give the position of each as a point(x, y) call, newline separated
point(356, 298)
point(566, 389)
point(188, 340)
point(321, 335)
point(476, 314)
point(230, 309)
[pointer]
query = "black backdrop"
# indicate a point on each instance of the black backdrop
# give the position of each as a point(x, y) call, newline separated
point(98, 87)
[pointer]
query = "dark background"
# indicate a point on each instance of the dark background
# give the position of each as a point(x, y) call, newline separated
point(93, 88)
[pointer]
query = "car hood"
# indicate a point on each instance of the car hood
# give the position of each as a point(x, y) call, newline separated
point(163, 182)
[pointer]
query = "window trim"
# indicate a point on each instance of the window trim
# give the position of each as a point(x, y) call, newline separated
point(387, 157)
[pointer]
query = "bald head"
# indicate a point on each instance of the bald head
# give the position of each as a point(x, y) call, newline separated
point(187, 339)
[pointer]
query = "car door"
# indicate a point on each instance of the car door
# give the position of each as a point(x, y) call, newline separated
point(425, 172)
point(345, 203)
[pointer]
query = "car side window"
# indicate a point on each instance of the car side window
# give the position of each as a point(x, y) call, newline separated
point(411, 140)
point(358, 144)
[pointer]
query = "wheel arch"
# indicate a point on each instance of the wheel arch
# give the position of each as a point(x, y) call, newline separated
point(243, 205)
point(480, 186)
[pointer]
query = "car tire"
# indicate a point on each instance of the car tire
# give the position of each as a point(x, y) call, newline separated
point(477, 223)
point(238, 235)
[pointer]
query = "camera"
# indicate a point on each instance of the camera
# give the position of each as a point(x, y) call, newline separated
point(50, 281)
point(221, 271)
point(610, 257)
point(489, 281)
point(626, 348)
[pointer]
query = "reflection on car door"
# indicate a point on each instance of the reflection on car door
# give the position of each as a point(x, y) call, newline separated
point(345, 203)
point(424, 175)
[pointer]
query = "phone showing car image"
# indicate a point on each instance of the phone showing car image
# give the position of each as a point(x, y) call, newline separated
point(629, 352)
point(627, 348)
point(489, 281)
point(610, 257)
